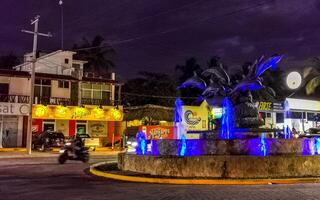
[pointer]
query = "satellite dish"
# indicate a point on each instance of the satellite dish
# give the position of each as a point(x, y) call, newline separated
point(294, 80)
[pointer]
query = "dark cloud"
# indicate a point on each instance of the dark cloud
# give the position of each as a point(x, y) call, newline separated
point(156, 35)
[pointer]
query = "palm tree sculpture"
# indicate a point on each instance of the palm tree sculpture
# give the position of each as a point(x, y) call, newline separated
point(215, 81)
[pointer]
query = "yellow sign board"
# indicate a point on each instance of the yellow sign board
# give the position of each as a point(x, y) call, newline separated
point(76, 113)
point(265, 105)
point(195, 118)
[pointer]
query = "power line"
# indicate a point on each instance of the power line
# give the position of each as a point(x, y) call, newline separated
point(156, 96)
point(161, 13)
point(110, 43)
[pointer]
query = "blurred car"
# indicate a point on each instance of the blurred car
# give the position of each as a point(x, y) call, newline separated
point(131, 144)
point(89, 142)
point(311, 132)
point(47, 139)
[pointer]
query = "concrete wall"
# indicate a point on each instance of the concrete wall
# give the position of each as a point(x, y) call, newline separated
point(19, 86)
point(222, 166)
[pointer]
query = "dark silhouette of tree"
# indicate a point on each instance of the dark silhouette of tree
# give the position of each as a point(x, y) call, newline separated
point(186, 71)
point(98, 54)
point(8, 61)
point(312, 77)
point(183, 72)
point(150, 88)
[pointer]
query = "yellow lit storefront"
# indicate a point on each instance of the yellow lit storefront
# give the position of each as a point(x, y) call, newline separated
point(102, 122)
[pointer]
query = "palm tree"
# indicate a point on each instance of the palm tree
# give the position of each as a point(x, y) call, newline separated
point(8, 61)
point(98, 54)
point(312, 75)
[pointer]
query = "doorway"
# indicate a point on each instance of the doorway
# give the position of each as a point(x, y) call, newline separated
point(81, 128)
point(48, 126)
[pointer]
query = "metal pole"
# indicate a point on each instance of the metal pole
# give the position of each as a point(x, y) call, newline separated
point(34, 59)
point(34, 54)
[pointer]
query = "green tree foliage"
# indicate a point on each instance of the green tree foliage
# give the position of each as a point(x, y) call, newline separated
point(98, 54)
point(8, 61)
point(150, 88)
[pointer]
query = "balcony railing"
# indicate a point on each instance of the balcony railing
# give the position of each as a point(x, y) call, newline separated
point(55, 101)
point(14, 98)
point(102, 102)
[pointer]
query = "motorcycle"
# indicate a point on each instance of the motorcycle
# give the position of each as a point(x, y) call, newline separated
point(68, 153)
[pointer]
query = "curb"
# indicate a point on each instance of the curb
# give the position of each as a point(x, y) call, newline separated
point(13, 150)
point(96, 172)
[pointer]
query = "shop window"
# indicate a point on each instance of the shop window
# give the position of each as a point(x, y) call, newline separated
point(268, 115)
point(279, 118)
point(296, 115)
point(311, 116)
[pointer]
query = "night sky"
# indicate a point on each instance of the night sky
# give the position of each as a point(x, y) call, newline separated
point(156, 35)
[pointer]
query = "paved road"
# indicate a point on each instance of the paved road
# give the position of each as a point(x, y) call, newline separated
point(43, 178)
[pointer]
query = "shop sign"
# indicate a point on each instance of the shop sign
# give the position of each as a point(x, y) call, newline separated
point(195, 117)
point(76, 113)
point(158, 132)
point(14, 109)
point(97, 129)
point(265, 105)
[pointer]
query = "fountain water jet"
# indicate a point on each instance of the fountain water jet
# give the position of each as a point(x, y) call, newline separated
point(179, 128)
point(142, 144)
point(227, 121)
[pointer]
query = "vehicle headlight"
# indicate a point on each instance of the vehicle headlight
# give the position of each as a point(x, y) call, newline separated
point(61, 151)
point(134, 144)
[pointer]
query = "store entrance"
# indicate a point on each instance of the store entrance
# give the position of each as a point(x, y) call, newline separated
point(48, 126)
point(81, 128)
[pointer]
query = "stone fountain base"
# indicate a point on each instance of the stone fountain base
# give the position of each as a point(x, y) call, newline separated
point(241, 158)
point(222, 166)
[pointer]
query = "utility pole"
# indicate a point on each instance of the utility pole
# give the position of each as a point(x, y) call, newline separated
point(61, 6)
point(35, 33)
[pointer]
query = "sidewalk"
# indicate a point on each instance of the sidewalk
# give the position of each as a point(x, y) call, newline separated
point(22, 153)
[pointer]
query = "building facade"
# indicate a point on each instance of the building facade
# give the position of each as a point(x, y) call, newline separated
point(65, 99)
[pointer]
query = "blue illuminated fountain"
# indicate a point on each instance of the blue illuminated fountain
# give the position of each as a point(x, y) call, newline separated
point(141, 148)
point(183, 146)
point(179, 128)
point(227, 120)
point(260, 157)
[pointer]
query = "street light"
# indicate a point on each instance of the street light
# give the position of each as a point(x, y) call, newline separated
point(294, 80)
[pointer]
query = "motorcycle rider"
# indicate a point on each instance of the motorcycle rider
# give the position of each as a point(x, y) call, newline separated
point(78, 145)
